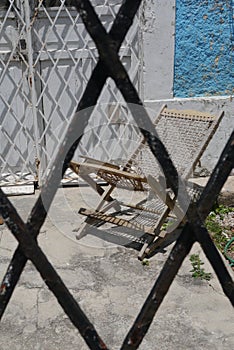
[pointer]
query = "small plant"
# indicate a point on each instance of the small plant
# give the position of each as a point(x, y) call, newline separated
point(145, 262)
point(221, 210)
point(220, 234)
point(198, 271)
point(166, 225)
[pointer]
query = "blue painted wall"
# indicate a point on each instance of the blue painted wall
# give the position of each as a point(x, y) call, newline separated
point(204, 56)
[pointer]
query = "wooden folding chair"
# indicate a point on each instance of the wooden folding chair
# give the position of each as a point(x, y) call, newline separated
point(186, 134)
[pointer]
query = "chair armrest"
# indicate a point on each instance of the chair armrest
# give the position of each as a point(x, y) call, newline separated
point(112, 176)
point(99, 162)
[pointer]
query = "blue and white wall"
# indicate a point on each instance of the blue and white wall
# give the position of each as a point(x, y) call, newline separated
point(188, 60)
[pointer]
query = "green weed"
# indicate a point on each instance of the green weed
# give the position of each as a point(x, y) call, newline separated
point(145, 262)
point(220, 235)
point(198, 271)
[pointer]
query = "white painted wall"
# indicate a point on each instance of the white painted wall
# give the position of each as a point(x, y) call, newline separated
point(158, 35)
point(158, 27)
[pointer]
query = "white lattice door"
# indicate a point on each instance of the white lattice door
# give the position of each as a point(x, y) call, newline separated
point(17, 124)
point(49, 61)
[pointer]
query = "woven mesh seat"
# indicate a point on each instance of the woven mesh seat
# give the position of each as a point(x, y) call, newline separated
point(186, 134)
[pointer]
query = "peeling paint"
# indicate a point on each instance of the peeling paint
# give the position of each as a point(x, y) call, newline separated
point(203, 35)
point(148, 16)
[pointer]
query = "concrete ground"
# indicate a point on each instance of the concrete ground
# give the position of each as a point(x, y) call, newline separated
point(110, 285)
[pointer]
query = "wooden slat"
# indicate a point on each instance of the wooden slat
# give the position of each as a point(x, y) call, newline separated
point(86, 168)
point(115, 220)
point(188, 114)
point(99, 162)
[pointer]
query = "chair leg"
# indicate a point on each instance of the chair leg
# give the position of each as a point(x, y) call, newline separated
point(160, 237)
point(82, 232)
point(157, 233)
point(162, 242)
point(144, 252)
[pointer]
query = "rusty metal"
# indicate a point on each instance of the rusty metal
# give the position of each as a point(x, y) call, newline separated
point(32, 62)
point(94, 87)
point(110, 65)
point(189, 235)
point(117, 72)
point(33, 252)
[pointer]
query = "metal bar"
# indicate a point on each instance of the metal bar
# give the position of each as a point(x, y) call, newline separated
point(159, 290)
point(208, 197)
point(181, 250)
point(217, 178)
point(32, 251)
point(116, 70)
point(192, 231)
point(97, 80)
point(31, 81)
point(163, 283)
point(213, 256)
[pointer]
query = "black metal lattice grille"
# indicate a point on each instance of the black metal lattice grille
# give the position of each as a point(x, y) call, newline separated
point(109, 65)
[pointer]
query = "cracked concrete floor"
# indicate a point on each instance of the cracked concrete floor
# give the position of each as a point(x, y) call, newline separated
point(110, 285)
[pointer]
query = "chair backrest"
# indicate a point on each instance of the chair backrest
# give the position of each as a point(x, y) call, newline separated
point(185, 134)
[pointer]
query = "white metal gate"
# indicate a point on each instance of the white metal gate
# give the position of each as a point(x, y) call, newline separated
point(17, 145)
point(46, 59)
